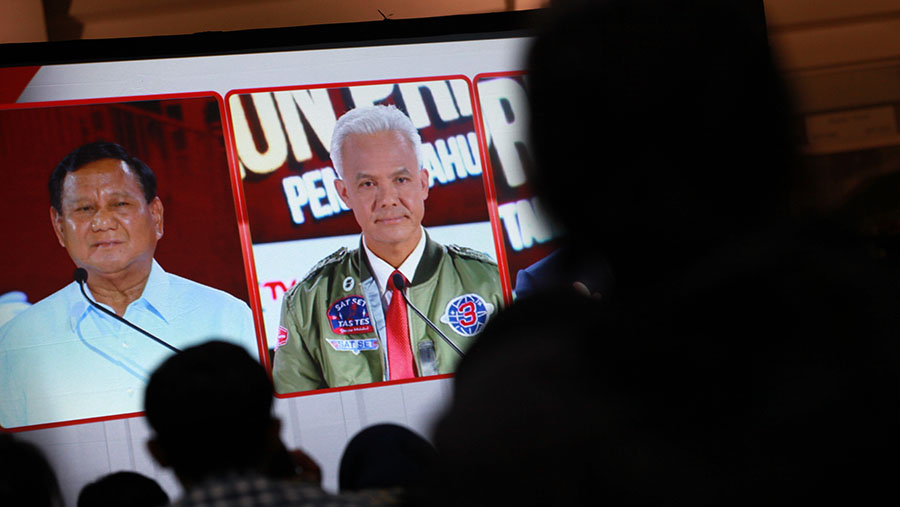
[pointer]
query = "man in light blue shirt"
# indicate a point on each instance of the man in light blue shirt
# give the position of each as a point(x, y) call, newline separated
point(63, 359)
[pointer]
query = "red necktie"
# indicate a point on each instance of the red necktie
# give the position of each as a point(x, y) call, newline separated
point(400, 357)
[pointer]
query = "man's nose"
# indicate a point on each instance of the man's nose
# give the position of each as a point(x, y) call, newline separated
point(388, 196)
point(103, 220)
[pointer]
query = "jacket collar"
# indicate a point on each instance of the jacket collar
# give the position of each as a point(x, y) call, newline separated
point(427, 266)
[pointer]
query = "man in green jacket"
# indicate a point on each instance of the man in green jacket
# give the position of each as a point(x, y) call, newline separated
point(346, 322)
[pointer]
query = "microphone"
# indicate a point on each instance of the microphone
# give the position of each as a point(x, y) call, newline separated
point(81, 277)
point(400, 284)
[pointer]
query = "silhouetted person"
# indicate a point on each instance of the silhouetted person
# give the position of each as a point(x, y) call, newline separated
point(123, 489)
point(386, 457)
point(26, 477)
point(745, 358)
point(210, 408)
point(871, 213)
point(293, 465)
point(659, 130)
point(769, 381)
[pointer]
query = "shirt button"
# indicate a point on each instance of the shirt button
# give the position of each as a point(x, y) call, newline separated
point(124, 345)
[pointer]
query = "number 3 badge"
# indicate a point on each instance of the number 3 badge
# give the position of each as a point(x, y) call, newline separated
point(467, 314)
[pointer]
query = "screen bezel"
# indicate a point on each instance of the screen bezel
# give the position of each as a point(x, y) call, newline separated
point(330, 36)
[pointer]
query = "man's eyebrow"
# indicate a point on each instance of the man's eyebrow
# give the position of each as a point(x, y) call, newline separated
point(76, 203)
point(122, 193)
point(402, 171)
point(78, 199)
point(112, 195)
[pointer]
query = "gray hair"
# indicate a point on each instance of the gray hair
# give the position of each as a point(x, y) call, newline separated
point(371, 120)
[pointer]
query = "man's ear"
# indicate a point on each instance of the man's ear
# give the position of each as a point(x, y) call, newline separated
point(423, 178)
point(341, 188)
point(156, 211)
point(56, 221)
point(157, 452)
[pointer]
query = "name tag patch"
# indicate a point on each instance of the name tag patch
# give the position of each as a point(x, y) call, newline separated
point(467, 314)
point(349, 315)
point(354, 346)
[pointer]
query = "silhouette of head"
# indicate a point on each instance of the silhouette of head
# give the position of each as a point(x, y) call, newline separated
point(210, 409)
point(26, 477)
point(385, 456)
point(658, 127)
point(123, 488)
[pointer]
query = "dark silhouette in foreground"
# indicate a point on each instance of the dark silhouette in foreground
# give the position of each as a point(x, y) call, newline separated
point(26, 477)
point(757, 382)
point(745, 356)
point(659, 130)
point(387, 457)
point(123, 488)
point(210, 408)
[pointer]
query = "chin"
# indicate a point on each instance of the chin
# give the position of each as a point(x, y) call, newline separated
point(107, 265)
point(102, 270)
point(397, 235)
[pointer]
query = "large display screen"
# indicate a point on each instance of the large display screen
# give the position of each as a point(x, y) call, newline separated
point(251, 235)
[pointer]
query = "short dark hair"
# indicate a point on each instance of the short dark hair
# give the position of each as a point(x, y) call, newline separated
point(385, 456)
point(123, 488)
point(91, 152)
point(210, 407)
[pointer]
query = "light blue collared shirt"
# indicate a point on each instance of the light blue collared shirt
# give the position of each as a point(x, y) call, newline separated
point(63, 359)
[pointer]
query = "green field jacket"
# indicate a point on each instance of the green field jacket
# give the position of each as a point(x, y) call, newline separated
point(332, 322)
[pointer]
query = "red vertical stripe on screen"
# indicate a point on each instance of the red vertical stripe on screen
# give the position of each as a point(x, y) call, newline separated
point(13, 81)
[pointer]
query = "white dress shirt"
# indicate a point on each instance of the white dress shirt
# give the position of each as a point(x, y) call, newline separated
point(382, 271)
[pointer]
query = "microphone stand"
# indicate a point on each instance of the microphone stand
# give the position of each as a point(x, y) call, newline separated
point(81, 277)
point(400, 284)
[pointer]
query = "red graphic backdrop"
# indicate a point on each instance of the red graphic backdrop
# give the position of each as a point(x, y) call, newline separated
point(460, 201)
point(13, 81)
point(179, 138)
point(505, 194)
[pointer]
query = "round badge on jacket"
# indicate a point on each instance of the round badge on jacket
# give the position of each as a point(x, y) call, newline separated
point(349, 315)
point(467, 314)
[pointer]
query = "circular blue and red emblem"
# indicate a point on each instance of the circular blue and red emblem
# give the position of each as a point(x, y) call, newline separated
point(467, 314)
point(349, 315)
